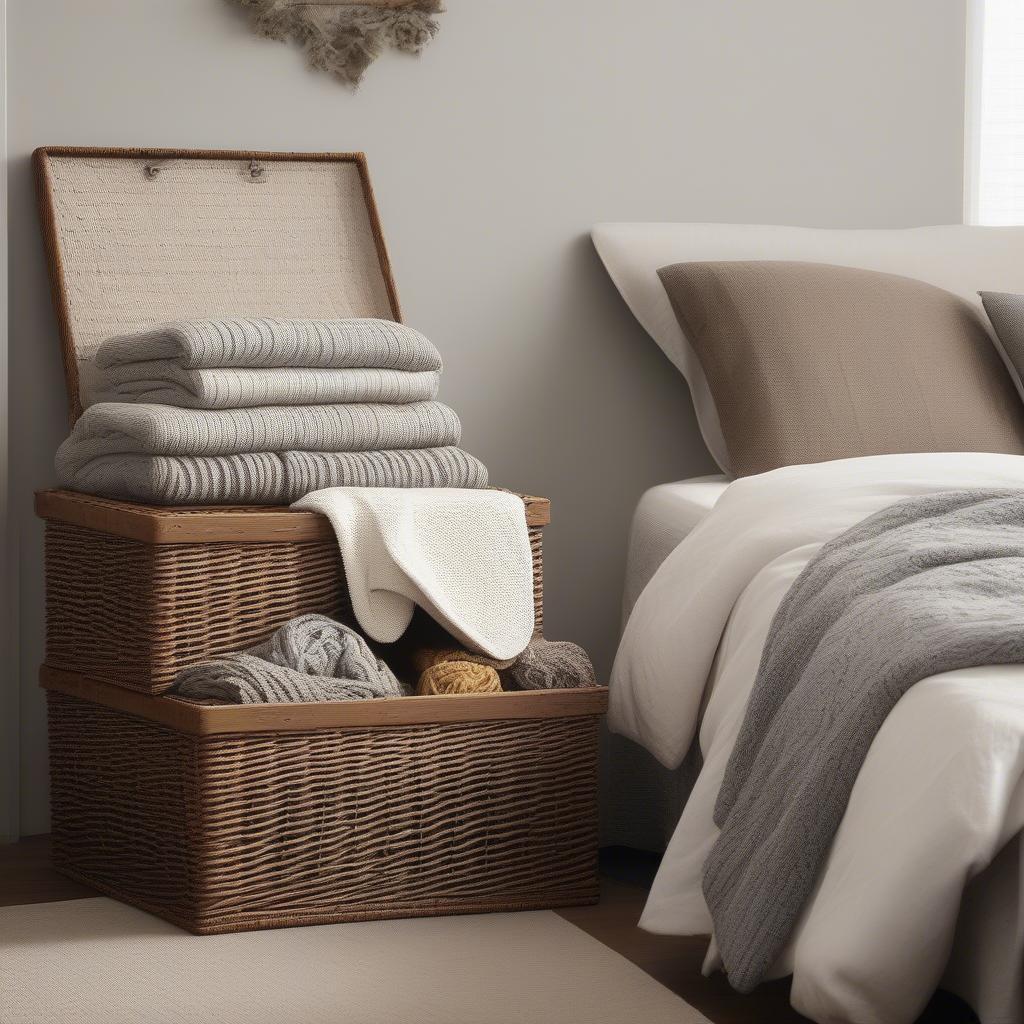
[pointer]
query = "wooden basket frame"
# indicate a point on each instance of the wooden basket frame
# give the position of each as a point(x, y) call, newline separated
point(198, 718)
point(190, 524)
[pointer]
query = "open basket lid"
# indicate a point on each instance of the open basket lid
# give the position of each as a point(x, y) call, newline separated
point(140, 236)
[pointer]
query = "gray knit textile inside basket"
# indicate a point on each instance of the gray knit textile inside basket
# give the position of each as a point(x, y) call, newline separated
point(552, 665)
point(309, 659)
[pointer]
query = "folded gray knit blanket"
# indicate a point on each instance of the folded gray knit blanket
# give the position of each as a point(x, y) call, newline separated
point(310, 658)
point(261, 412)
point(164, 382)
point(117, 428)
point(266, 342)
point(926, 586)
point(265, 478)
point(241, 363)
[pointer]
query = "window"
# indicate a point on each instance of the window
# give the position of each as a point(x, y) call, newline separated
point(995, 112)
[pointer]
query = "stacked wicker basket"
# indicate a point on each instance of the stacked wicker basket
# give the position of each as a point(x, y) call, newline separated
point(223, 818)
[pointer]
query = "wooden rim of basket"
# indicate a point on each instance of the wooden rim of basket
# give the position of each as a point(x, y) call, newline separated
point(162, 524)
point(209, 720)
point(51, 237)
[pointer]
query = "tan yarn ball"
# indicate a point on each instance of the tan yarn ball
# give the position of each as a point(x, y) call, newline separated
point(458, 677)
point(429, 656)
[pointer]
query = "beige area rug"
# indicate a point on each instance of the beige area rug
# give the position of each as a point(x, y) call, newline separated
point(96, 961)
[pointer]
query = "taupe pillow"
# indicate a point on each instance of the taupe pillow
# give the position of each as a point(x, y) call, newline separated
point(1006, 311)
point(808, 362)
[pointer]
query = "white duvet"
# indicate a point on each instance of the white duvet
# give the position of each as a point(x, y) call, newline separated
point(925, 881)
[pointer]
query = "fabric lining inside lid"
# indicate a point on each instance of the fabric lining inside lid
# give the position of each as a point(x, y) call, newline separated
point(203, 238)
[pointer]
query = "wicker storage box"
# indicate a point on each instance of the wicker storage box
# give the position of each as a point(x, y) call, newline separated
point(135, 593)
point(224, 818)
point(231, 818)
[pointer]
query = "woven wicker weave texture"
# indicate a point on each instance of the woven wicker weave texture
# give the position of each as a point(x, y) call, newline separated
point(231, 833)
point(135, 614)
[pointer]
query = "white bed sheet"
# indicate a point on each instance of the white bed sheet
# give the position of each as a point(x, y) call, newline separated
point(664, 516)
point(924, 881)
point(640, 799)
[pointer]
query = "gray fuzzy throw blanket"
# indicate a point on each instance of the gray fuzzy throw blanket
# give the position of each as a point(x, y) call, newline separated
point(310, 658)
point(346, 36)
point(926, 586)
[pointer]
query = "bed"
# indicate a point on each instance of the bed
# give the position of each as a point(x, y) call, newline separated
point(922, 885)
point(642, 800)
point(664, 516)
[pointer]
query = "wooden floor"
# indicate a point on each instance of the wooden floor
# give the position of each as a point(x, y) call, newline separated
point(26, 876)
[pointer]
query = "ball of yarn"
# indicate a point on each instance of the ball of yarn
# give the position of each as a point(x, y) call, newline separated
point(429, 656)
point(552, 665)
point(458, 677)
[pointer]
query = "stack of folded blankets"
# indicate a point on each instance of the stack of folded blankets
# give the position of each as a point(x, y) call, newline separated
point(262, 412)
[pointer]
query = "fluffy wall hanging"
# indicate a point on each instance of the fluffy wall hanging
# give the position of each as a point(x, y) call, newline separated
point(345, 37)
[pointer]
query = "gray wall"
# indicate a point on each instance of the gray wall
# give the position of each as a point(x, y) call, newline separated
point(525, 122)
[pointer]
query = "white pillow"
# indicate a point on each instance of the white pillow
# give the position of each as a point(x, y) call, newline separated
point(962, 259)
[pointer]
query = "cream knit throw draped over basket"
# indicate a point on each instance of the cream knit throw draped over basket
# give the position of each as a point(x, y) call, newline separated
point(461, 555)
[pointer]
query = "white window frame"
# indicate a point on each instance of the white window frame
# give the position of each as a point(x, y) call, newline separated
point(972, 108)
point(975, 46)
